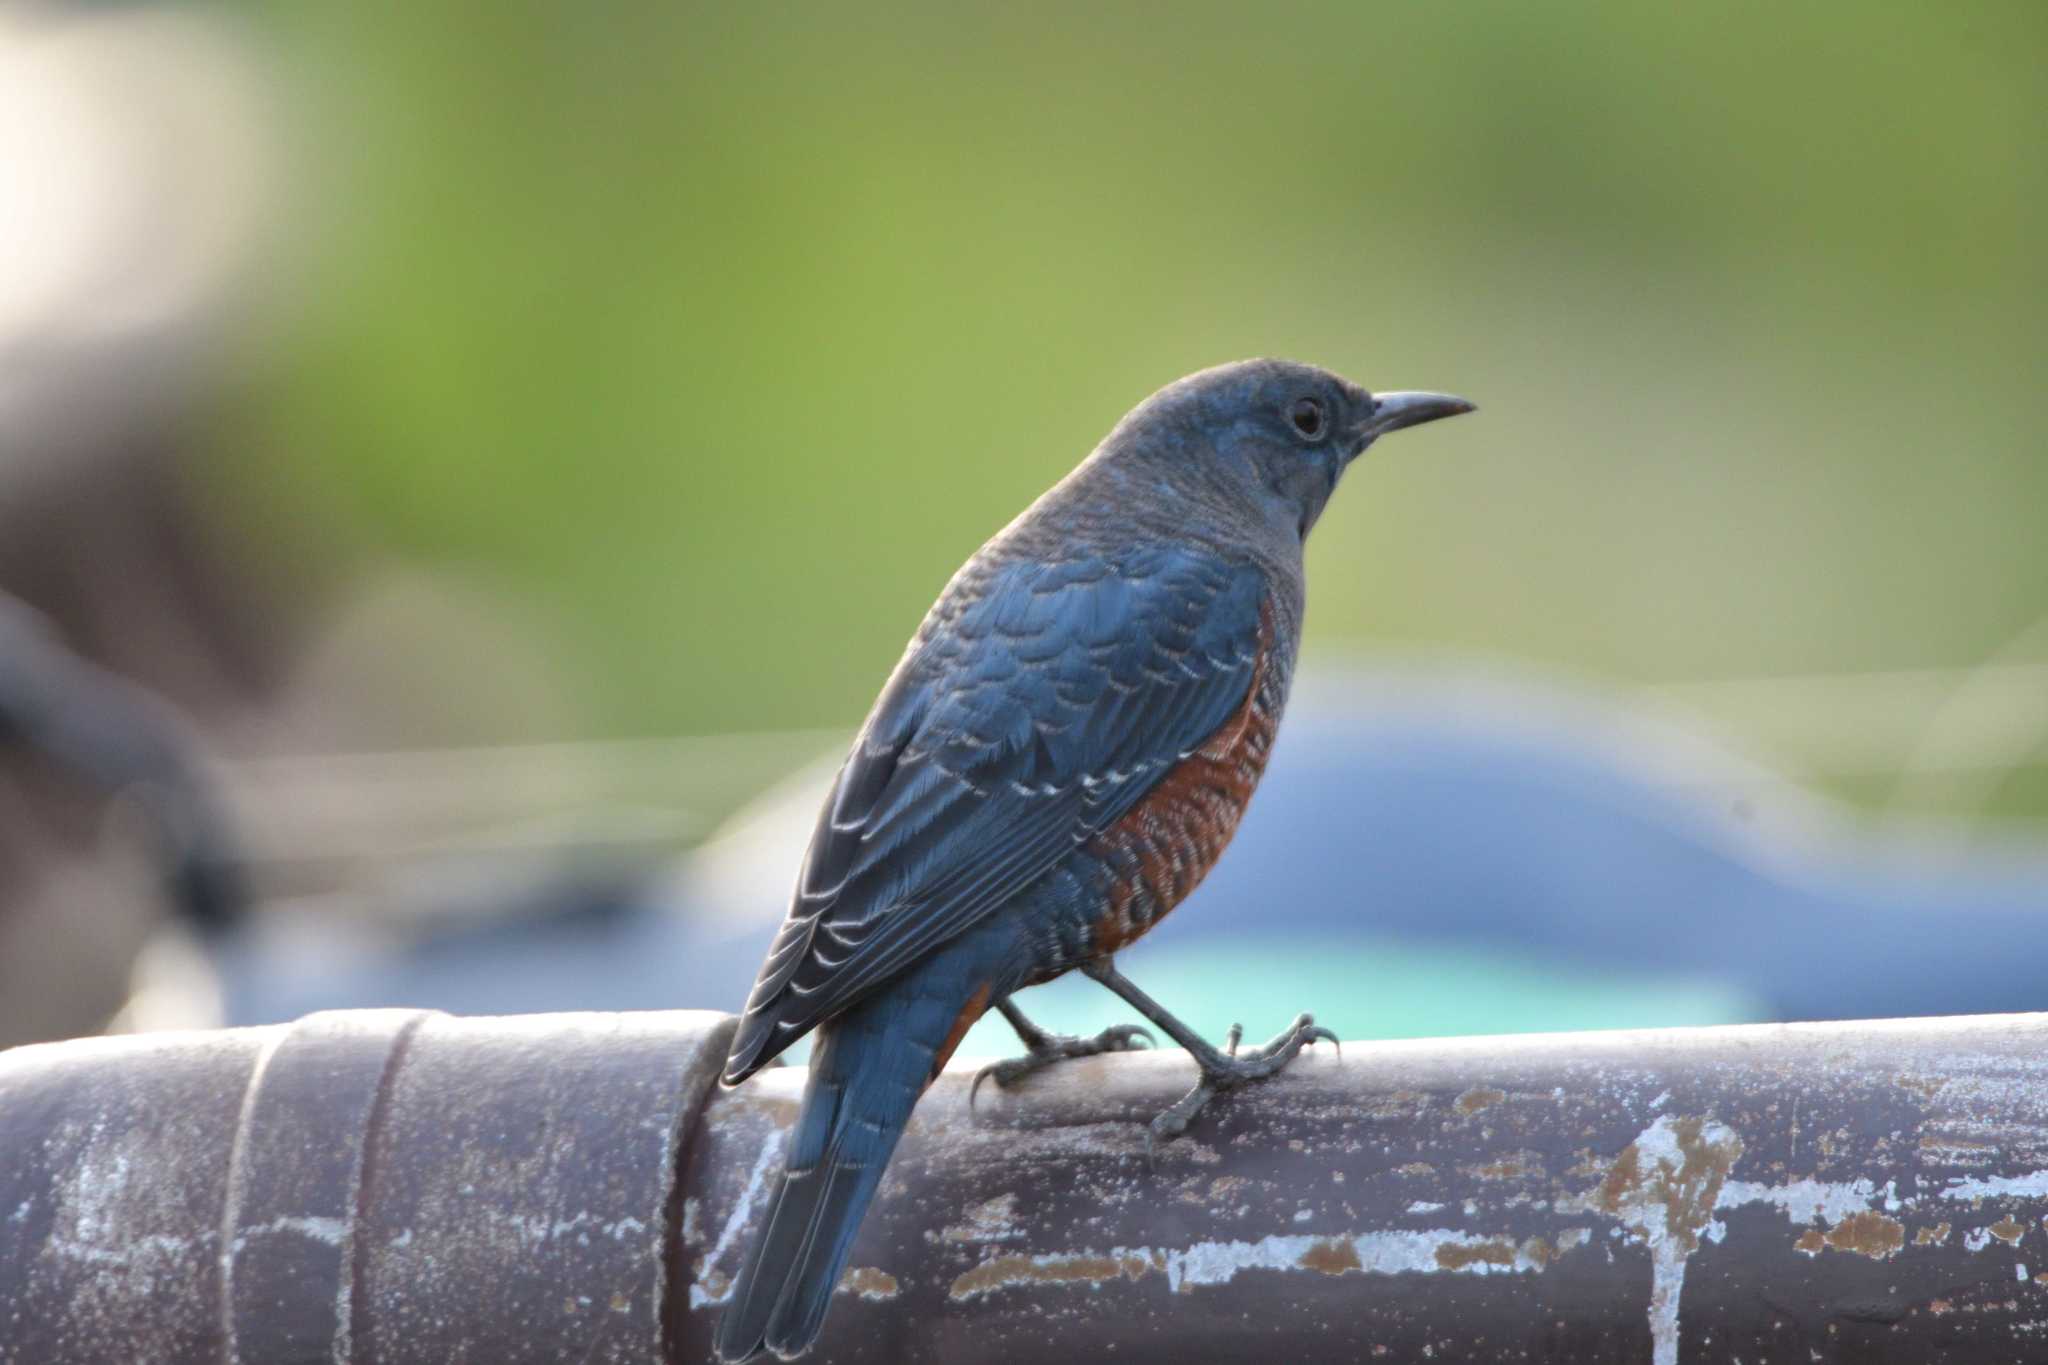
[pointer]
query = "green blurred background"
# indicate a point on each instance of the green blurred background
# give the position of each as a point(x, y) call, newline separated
point(519, 437)
point(717, 336)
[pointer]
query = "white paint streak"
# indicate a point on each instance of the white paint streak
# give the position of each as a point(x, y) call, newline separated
point(1648, 1204)
point(992, 1220)
point(95, 1211)
point(1423, 1206)
point(736, 1221)
point(329, 1230)
point(137, 1254)
point(1802, 1200)
point(536, 1231)
point(1378, 1253)
point(2032, 1186)
point(1668, 1254)
point(692, 1211)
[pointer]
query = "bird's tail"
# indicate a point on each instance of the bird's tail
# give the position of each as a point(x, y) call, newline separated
point(867, 1072)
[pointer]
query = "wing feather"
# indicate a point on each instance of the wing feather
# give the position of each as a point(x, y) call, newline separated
point(1036, 706)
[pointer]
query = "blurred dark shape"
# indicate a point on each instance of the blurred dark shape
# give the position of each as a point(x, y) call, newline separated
point(1557, 825)
point(122, 741)
point(134, 175)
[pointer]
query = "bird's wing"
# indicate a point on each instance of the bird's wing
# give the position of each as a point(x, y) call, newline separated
point(1036, 707)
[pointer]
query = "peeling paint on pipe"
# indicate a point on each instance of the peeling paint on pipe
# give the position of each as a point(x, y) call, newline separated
point(410, 1187)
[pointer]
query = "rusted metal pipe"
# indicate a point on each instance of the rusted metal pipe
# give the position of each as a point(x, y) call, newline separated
point(406, 1187)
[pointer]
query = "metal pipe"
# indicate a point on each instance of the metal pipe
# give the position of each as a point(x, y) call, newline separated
point(410, 1187)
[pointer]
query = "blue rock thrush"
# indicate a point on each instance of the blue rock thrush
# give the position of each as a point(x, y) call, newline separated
point(1061, 754)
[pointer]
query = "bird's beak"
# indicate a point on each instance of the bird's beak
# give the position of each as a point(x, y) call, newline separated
point(1393, 411)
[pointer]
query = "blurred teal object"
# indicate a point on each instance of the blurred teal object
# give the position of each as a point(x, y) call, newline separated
point(1373, 986)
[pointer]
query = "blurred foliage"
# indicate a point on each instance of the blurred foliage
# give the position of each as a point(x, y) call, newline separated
point(721, 334)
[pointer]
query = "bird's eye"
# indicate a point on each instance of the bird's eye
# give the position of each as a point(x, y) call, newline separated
point(1307, 416)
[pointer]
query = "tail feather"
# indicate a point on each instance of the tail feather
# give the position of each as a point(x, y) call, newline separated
point(792, 1219)
point(860, 1096)
point(800, 1309)
point(743, 1331)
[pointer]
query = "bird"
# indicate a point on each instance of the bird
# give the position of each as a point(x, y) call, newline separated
point(1059, 756)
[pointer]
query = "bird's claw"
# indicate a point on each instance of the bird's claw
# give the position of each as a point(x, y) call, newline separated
point(1231, 1069)
point(1059, 1048)
point(1170, 1123)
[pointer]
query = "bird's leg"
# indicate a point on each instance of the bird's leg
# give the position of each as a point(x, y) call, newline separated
point(1221, 1071)
point(1042, 1049)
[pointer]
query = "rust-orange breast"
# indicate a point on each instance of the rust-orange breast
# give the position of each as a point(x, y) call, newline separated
point(1163, 847)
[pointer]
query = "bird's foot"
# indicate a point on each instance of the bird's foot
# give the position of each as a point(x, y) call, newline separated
point(1230, 1069)
point(1048, 1048)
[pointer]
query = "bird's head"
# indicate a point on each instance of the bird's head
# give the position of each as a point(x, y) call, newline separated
point(1275, 431)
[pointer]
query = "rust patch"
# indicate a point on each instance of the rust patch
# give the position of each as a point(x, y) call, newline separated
point(1478, 1098)
point(2008, 1230)
point(1452, 1256)
point(1510, 1169)
point(1332, 1257)
point(1227, 1187)
point(1624, 1175)
point(1002, 1272)
point(870, 1282)
point(1415, 1168)
point(1868, 1234)
point(1538, 1252)
point(1932, 1237)
point(1810, 1242)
